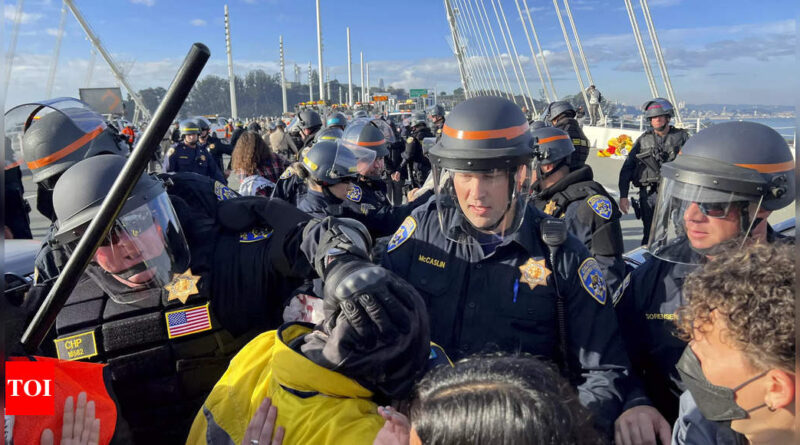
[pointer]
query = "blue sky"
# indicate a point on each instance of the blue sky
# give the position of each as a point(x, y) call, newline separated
point(737, 51)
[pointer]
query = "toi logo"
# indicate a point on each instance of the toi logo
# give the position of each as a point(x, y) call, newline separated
point(30, 388)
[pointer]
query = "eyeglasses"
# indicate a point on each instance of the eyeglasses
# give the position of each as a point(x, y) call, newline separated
point(131, 224)
point(718, 210)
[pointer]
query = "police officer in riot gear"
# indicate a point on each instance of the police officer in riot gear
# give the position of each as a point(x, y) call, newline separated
point(291, 186)
point(332, 169)
point(310, 123)
point(368, 139)
point(477, 254)
point(591, 213)
point(561, 115)
point(191, 156)
point(436, 114)
point(715, 196)
point(661, 143)
point(48, 127)
point(16, 207)
point(212, 143)
point(415, 165)
point(337, 120)
point(166, 315)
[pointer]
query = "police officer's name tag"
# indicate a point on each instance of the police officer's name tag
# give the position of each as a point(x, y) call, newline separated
point(403, 233)
point(76, 347)
point(592, 280)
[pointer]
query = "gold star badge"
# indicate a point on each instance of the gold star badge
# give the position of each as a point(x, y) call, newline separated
point(182, 286)
point(550, 208)
point(534, 273)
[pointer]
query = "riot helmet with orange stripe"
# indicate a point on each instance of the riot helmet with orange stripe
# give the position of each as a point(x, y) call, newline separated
point(58, 133)
point(482, 170)
point(552, 148)
point(368, 144)
point(719, 191)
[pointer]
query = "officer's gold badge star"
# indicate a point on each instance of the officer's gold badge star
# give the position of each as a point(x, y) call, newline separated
point(183, 286)
point(550, 208)
point(534, 273)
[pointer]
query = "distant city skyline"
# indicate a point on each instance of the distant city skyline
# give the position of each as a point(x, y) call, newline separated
point(739, 52)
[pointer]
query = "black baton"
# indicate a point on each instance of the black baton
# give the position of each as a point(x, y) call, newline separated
point(101, 224)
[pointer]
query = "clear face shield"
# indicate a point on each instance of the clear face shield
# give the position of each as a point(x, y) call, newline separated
point(481, 207)
point(692, 221)
point(352, 160)
point(369, 164)
point(22, 117)
point(142, 252)
point(386, 129)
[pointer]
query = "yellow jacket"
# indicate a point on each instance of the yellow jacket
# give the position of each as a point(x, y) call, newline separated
point(315, 405)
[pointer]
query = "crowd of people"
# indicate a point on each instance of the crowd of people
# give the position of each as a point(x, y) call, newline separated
point(456, 278)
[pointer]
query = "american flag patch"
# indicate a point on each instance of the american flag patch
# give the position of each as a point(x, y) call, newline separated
point(188, 321)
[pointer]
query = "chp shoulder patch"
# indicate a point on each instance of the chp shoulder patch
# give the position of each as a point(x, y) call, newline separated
point(223, 192)
point(287, 173)
point(403, 233)
point(409, 140)
point(621, 289)
point(592, 280)
point(354, 193)
point(601, 205)
point(171, 151)
point(255, 235)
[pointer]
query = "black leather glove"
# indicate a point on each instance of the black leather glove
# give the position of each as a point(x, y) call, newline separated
point(375, 329)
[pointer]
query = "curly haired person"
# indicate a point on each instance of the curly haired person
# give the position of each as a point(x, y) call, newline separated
point(740, 363)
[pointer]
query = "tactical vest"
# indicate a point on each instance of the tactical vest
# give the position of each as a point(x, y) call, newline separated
point(579, 140)
point(578, 191)
point(166, 351)
point(164, 355)
point(605, 240)
point(653, 153)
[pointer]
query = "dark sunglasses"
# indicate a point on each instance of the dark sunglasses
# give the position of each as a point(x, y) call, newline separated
point(718, 210)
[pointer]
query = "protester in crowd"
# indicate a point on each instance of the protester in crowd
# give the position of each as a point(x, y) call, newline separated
point(492, 399)
point(258, 166)
point(739, 367)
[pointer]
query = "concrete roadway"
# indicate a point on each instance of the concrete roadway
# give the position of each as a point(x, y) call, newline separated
point(606, 171)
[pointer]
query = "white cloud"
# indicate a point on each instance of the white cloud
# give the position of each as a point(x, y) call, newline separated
point(53, 32)
point(10, 13)
point(147, 3)
point(198, 22)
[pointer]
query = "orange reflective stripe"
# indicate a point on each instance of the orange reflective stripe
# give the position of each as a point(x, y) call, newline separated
point(508, 133)
point(371, 144)
point(770, 168)
point(12, 165)
point(553, 138)
point(66, 151)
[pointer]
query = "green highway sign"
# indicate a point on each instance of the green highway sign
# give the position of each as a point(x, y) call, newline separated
point(418, 93)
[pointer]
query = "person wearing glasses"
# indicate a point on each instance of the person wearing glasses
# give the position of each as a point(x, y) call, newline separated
point(713, 199)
